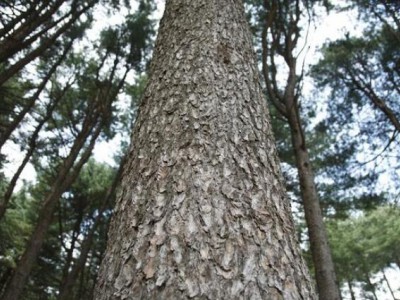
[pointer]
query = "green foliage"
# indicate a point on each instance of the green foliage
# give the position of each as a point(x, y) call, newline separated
point(15, 228)
point(84, 85)
point(365, 244)
point(78, 206)
point(362, 75)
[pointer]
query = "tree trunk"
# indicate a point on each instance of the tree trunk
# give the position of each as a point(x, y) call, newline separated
point(352, 295)
point(323, 263)
point(202, 211)
point(64, 179)
point(31, 149)
point(286, 103)
point(14, 42)
point(371, 285)
point(68, 281)
point(42, 47)
point(32, 100)
point(388, 284)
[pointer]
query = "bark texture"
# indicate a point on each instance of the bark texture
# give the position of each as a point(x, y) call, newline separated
point(202, 212)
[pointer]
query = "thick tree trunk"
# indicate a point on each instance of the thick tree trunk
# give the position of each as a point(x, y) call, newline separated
point(202, 211)
point(323, 263)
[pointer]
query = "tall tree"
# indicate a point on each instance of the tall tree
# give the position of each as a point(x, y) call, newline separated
point(96, 116)
point(281, 45)
point(59, 114)
point(202, 211)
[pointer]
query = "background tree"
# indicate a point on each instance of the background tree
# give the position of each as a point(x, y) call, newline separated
point(362, 77)
point(279, 24)
point(74, 105)
point(362, 74)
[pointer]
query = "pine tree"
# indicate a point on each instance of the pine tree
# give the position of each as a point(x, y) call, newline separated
point(202, 211)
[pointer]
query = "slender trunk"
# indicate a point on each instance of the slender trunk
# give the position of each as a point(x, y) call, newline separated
point(11, 25)
point(64, 179)
point(12, 43)
point(202, 211)
point(352, 295)
point(70, 250)
point(287, 105)
point(68, 281)
point(388, 285)
point(323, 263)
point(378, 102)
point(4, 278)
point(371, 286)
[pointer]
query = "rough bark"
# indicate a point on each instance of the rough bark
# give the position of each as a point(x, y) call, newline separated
point(202, 211)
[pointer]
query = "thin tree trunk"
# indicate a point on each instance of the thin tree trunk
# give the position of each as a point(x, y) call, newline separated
point(17, 66)
point(70, 250)
point(64, 179)
point(388, 285)
point(378, 102)
point(320, 249)
point(286, 104)
point(33, 10)
point(68, 281)
point(13, 42)
point(352, 295)
point(28, 155)
point(371, 286)
point(4, 278)
point(202, 211)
